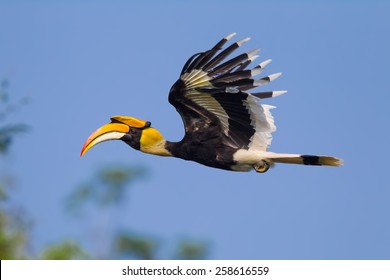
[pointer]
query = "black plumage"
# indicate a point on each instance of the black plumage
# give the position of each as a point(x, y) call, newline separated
point(205, 78)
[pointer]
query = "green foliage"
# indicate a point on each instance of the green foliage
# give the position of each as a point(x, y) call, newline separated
point(138, 247)
point(13, 226)
point(65, 250)
point(12, 237)
point(7, 134)
point(191, 250)
point(9, 130)
point(141, 247)
point(113, 181)
point(106, 188)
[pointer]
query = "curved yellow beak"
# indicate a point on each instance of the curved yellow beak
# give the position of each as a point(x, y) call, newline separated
point(110, 131)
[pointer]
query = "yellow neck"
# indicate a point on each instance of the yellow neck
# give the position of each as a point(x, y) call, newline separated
point(152, 142)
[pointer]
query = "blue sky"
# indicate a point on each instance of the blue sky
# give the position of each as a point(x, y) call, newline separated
point(81, 62)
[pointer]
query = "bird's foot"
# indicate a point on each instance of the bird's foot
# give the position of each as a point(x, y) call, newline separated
point(261, 166)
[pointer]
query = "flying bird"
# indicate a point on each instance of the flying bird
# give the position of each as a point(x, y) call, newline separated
point(226, 125)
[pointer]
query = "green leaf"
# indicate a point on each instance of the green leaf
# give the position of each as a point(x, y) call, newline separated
point(66, 250)
point(137, 246)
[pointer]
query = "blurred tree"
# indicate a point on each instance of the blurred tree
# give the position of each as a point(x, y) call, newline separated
point(13, 225)
point(65, 250)
point(191, 250)
point(106, 189)
point(134, 246)
point(13, 235)
point(8, 130)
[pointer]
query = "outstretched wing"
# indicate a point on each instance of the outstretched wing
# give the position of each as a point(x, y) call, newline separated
point(212, 92)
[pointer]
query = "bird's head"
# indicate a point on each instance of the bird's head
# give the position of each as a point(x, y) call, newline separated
point(136, 133)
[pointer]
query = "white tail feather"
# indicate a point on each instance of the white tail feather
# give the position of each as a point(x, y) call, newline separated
point(304, 159)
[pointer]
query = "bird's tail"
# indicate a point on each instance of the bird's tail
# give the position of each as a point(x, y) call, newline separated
point(304, 159)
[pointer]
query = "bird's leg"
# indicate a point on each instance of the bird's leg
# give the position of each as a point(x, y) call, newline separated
point(261, 166)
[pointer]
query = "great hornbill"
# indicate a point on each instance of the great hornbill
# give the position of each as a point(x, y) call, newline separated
point(226, 126)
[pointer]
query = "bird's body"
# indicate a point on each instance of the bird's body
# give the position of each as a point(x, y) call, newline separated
point(226, 126)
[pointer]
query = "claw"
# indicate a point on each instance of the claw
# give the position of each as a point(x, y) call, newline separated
point(261, 166)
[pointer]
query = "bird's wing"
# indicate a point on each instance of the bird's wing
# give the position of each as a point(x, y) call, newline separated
point(213, 92)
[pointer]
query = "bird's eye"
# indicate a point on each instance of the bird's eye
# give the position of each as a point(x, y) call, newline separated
point(132, 131)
